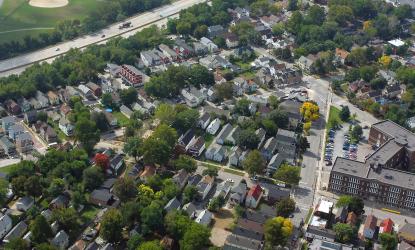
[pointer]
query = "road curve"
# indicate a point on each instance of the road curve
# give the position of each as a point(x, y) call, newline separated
point(11, 66)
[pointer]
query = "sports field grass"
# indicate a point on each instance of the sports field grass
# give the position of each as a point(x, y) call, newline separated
point(18, 14)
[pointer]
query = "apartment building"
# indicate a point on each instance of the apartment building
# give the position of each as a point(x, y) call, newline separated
point(383, 176)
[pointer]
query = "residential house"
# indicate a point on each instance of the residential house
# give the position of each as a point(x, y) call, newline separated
point(96, 90)
point(192, 96)
point(235, 155)
point(131, 75)
point(232, 136)
point(269, 21)
point(49, 134)
point(239, 12)
point(216, 30)
point(65, 109)
point(232, 40)
point(407, 233)
point(42, 99)
point(167, 51)
point(274, 193)
point(275, 162)
point(238, 193)
point(196, 146)
point(261, 134)
point(185, 138)
point(150, 58)
point(223, 189)
point(219, 79)
point(246, 224)
point(173, 204)
point(287, 144)
point(215, 153)
point(254, 196)
point(205, 185)
point(7, 122)
point(24, 203)
point(213, 127)
point(61, 201)
point(223, 134)
point(126, 111)
point(200, 48)
point(16, 232)
point(111, 120)
point(194, 179)
point(35, 103)
point(305, 63)
point(403, 245)
point(389, 76)
point(386, 226)
point(15, 130)
point(341, 214)
point(24, 143)
point(24, 104)
point(204, 121)
point(318, 244)
point(340, 55)
point(7, 146)
point(370, 226)
point(66, 126)
point(204, 218)
point(86, 92)
point(53, 98)
point(30, 117)
point(61, 240)
point(392, 91)
point(292, 107)
point(183, 49)
point(234, 241)
point(215, 62)
point(212, 47)
point(6, 224)
point(103, 198)
point(117, 164)
point(269, 148)
point(12, 107)
point(320, 233)
point(181, 178)
point(190, 209)
point(351, 219)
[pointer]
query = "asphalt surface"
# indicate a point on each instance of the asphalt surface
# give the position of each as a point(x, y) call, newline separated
point(11, 66)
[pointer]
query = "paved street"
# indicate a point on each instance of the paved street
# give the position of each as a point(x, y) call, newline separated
point(139, 21)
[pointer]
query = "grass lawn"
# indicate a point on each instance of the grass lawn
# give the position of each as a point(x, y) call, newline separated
point(334, 118)
point(18, 14)
point(122, 119)
point(7, 169)
point(89, 213)
point(208, 139)
point(233, 171)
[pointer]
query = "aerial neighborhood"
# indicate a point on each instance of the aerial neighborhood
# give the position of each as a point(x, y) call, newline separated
point(251, 125)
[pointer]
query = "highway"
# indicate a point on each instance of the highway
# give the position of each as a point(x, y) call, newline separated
point(17, 64)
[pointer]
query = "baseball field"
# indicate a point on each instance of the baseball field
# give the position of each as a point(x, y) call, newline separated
point(19, 18)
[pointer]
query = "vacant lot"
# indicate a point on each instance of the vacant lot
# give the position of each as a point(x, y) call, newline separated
point(18, 18)
point(223, 220)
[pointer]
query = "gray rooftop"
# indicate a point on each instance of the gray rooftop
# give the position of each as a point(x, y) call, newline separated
point(399, 133)
point(238, 242)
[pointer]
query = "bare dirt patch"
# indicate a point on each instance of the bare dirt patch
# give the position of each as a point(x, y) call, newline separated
point(222, 221)
point(48, 3)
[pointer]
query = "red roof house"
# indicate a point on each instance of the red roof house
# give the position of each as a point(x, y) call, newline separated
point(386, 226)
point(254, 196)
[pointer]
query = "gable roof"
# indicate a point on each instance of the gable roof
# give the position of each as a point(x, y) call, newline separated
point(255, 192)
point(386, 226)
point(371, 222)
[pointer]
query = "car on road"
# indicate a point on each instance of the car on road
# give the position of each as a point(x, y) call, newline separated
point(102, 36)
point(57, 49)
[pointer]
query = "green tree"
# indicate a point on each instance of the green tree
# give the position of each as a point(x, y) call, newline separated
point(285, 207)
point(40, 229)
point(211, 171)
point(56, 187)
point(45, 246)
point(87, 134)
point(177, 224)
point(247, 139)
point(106, 100)
point(16, 244)
point(277, 231)
point(111, 226)
point(150, 245)
point(166, 134)
point(134, 241)
point(288, 174)
point(186, 119)
point(156, 151)
point(355, 204)
point(125, 188)
point(190, 193)
point(128, 96)
point(152, 216)
point(196, 237)
point(292, 5)
point(67, 218)
point(92, 178)
point(344, 232)
point(356, 132)
point(130, 212)
point(170, 189)
point(18, 185)
point(33, 186)
point(344, 113)
point(254, 163)
point(133, 146)
point(388, 241)
point(185, 162)
point(216, 203)
point(278, 29)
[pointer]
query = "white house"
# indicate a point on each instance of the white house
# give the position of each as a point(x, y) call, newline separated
point(204, 218)
point(254, 196)
point(204, 121)
point(61, 240)
point(193, 97)
point(205, 185)
point(213, 127)
point(66, 127)
point(5, 225)
point(209, 44)
point(215, 153)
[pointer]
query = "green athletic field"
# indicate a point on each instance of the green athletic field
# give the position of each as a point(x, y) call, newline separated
point(18, 14)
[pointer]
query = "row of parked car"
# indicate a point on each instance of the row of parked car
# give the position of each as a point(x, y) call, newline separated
point(349, 149)
point(328, 156)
